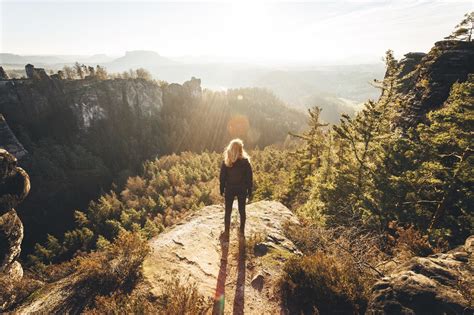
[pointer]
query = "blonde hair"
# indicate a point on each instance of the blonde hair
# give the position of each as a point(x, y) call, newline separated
point(234, 151)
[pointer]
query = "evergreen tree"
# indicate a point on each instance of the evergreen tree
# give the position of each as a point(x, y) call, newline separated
point(308, 157)
point(463, 31)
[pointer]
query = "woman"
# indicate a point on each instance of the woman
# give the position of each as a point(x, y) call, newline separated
point(235, 181)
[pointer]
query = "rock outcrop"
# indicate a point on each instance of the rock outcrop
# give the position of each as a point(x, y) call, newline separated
point(240, 273)
point(187, 94)
point(424, 81)
point(8, 140)
point(83, 102)
point(438, 284)
point(14, 187)
point(3, 74)
point(35, 73)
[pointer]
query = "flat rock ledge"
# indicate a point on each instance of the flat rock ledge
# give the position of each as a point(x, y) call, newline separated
point(240, 274)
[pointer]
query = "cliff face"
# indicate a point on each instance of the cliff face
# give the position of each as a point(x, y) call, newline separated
point(424, 80)
point(27, 102)
point(9, 142)
point(14, 187)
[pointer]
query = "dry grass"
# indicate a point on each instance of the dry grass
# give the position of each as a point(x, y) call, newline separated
point(177, 298)
point(252, 243)
point(13, 292)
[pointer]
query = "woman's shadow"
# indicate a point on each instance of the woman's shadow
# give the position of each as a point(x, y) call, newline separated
point(219, 297)
point(239, 299)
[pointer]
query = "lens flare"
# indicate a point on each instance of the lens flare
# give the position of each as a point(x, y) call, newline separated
point(238, 126)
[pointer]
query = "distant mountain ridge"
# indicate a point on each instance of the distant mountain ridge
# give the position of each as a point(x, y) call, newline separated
point(52, 61)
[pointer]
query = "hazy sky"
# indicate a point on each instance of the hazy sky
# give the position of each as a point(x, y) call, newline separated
point(241, 30)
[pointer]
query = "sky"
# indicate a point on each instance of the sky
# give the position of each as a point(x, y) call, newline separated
point(244, 30)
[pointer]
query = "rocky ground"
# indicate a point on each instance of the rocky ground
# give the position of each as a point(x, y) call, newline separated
point(438, 284)
point(239, 273)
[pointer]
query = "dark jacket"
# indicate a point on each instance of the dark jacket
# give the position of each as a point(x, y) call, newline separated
point(238, 179)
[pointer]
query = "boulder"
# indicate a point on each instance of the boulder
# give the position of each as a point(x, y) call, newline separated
point(11, 235)
point(438, 284)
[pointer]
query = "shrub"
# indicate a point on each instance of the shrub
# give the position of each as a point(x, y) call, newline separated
point(13, 292)
point(337, 272)
point(118, 266)
point(177, 298)
point(307, 236)
point(409, 242)
point(321, 283)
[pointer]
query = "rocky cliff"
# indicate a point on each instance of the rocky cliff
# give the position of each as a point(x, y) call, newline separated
point(14, 187)
point(30, 102)
point(424, 80)
point(239, 273)
point(8, 140)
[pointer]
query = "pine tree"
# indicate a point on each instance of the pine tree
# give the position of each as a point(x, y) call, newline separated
point(309, 156)
point(463, 31)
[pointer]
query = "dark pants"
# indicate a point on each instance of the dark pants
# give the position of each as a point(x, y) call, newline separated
point(229, 200)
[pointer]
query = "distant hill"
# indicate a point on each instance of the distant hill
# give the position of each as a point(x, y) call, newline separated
point(50, 61)
point(139, 59)
point(6, 58)
point(12, 59)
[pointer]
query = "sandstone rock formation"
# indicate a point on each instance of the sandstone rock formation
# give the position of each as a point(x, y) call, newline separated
point(35, 73)
point(14, 186)
point(27, 102)
point(424, 81)
point(188, 93)
point(438, 284)
point(240, 273)
point(3, 74)
point(8, 140)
